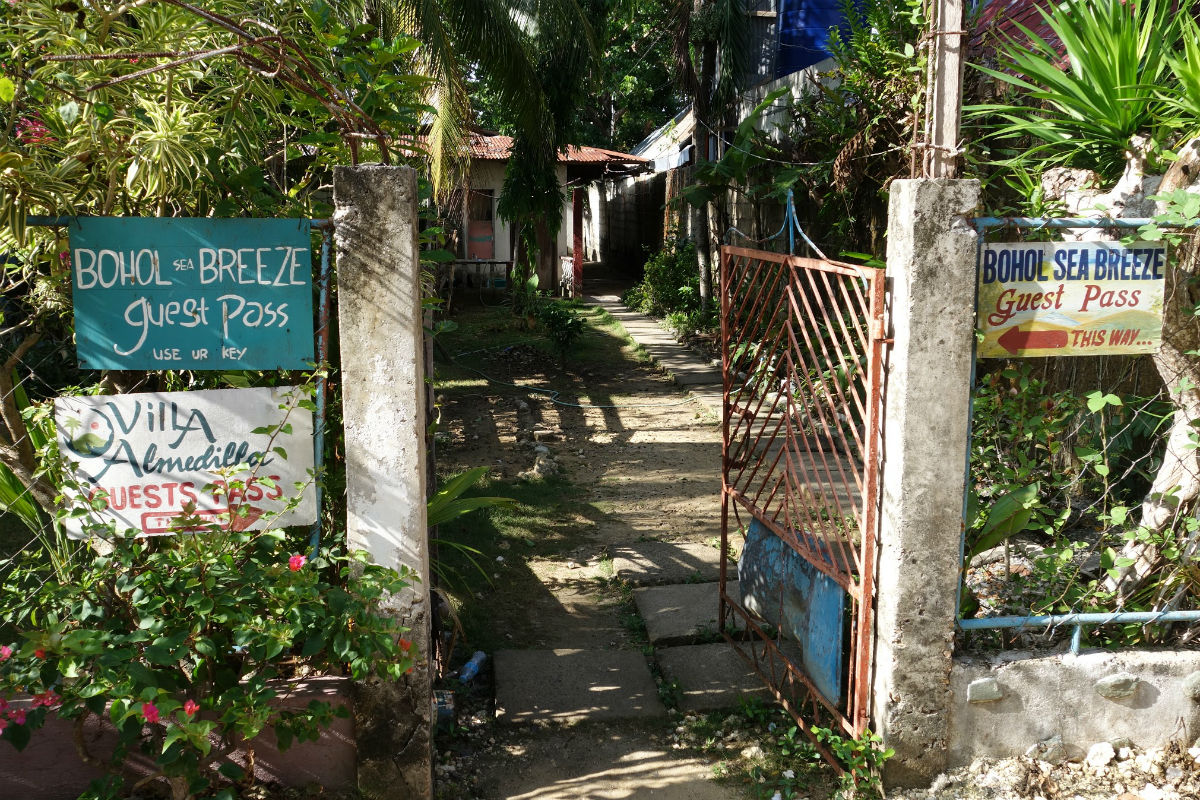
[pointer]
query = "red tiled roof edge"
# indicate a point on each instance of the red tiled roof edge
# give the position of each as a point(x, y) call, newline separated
point(495, 147)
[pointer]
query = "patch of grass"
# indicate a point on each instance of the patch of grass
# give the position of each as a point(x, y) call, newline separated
point(709, 634)
point(543, 522)
point(609, 324)
point(482, 330)
point(669, 691)
point(622, 592)
point(761, 750)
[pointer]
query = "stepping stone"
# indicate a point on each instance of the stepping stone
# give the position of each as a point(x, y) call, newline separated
point(682, 612)
point(565, 686)
point(710, 676)
point(601, 761)
point(648, 563)
point(711, 397)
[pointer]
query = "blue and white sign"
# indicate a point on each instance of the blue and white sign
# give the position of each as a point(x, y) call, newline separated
point(174, 293)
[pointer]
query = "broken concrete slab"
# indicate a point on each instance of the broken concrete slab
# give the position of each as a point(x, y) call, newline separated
point(650, 563)
point(566, 686)
point(710, 397)
point(683, 612)
point(709, 676)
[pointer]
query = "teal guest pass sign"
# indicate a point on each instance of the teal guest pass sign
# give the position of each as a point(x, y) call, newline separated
point(175, 293)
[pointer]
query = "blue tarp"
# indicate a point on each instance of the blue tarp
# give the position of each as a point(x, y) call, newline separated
point(804, 33)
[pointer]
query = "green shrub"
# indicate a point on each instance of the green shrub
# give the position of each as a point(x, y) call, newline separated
point(699, 321)
point(1020, 438)
point(670, 282)
point(183, 641)
point(562, 326)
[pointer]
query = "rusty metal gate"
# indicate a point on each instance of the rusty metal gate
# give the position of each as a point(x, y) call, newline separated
point(802, 342)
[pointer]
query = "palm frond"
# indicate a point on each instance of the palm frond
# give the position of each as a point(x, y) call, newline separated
point(1116, 62)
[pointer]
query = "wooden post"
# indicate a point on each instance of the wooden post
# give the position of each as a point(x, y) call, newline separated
point(577, 243)
point(947, 27)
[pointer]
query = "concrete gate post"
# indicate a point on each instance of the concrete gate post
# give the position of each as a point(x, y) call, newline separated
point(931, 277)
point(383, 403)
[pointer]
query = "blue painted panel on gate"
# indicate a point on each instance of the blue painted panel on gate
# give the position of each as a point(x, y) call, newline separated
point(175, 293)
point(780, 585)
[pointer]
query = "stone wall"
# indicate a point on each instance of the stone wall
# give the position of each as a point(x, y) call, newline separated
point(628, 215)
point(1060, 705)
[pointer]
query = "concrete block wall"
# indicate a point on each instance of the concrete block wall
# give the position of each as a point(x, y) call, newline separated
point(631, 221)
point(1004, 705)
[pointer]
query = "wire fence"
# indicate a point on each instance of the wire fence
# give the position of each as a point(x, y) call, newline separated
point(1063, 452)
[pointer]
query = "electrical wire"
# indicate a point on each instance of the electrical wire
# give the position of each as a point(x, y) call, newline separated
point(732, 146)
point(760, 156)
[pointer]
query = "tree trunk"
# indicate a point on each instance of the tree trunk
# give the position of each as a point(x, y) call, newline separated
point(700, 235)
point(547, 258)
point(1176, 487)
point(1177, 484)
point(701, 111)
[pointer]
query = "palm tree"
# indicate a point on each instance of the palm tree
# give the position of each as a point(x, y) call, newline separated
point(497, 38)
point(711, 46)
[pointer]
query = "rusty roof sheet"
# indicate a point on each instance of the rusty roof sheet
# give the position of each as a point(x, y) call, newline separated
point(1001, 21)
point(494, 147)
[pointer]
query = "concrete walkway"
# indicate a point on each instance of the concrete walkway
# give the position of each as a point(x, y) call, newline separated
point(678, 606)
point(686, 368)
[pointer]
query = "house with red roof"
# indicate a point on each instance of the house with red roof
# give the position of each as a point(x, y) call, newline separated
point(487, 242)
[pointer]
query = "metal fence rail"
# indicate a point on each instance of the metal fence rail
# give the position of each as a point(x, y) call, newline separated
point(802, 340)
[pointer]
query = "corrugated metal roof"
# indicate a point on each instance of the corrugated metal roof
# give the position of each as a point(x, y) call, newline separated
point(494, 147)
point(490, 147)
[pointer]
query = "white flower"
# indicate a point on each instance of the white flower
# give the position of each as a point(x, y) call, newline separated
point(789, 774)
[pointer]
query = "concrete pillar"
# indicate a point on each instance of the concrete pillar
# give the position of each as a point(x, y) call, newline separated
point(931, 277)
point(383, 403)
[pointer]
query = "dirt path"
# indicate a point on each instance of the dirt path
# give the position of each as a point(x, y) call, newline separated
point(645, 469)
point(640, 462)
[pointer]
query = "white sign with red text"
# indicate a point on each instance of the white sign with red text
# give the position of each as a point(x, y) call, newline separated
point(168, 462)
point(1070, 298)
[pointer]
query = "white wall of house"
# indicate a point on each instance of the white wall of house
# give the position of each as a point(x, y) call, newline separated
point(489, 176)
point(797, 83)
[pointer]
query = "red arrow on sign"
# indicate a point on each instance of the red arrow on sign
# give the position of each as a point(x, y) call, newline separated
point(1013, 339)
